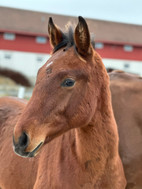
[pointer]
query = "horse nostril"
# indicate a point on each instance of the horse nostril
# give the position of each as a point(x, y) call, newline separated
point(23, 140)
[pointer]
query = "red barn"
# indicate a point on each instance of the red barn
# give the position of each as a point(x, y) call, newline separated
point(24, 44)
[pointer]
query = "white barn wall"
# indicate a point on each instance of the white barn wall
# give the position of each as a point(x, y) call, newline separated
point(23, 62)
point(29, 63)
point(131, 66)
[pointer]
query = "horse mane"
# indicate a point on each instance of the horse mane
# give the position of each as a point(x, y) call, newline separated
point(68, 38)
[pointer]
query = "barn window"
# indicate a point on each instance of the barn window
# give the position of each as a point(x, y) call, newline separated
point(41, 39)
point(7, 56)
point(128, 48)
point(39, 59)
point(99, 45)
point(126, 65)
point(9, 36)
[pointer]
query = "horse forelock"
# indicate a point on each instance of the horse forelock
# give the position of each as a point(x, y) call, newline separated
point(68, 39)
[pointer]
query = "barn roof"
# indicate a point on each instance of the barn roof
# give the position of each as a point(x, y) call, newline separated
point(31, 22)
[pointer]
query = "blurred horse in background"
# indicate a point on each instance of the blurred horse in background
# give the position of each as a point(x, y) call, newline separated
point(126, 90)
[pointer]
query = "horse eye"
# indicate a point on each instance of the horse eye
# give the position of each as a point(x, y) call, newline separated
point(68, 83)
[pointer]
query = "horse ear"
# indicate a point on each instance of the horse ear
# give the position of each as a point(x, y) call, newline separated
point(55, 34)
point(82, 37)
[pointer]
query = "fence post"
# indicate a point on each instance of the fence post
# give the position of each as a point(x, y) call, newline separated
point(21, 92)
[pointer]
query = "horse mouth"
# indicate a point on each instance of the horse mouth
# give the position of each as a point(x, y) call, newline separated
point(35, 151)
point(22, 153)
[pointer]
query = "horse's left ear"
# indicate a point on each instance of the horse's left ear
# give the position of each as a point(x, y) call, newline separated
point(55, 34)
point(82, 38)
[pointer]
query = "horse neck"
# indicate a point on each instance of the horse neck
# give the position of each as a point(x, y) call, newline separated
point(100, 134)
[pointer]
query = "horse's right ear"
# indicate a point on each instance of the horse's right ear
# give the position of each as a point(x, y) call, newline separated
point(82, 38)
point(55, 34)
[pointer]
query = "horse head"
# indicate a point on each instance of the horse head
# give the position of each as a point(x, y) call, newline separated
point(67, 90)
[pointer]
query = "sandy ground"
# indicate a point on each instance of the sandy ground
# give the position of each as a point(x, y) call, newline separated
point(6, 81)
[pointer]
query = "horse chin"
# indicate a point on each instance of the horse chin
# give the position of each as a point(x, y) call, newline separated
point(53, 136)
point(49, 138)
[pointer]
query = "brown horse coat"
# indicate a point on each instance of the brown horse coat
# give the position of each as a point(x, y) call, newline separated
point(70, 116)
point(126, 92)
point(15, 172)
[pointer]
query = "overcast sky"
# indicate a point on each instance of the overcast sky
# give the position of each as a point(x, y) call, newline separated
point(127, 11)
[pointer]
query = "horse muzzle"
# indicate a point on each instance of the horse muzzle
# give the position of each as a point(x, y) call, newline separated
point(22, 144)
